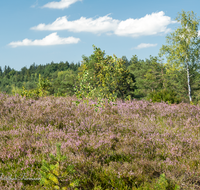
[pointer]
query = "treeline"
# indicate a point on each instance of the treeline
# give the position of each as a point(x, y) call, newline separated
point(11, 80)
point(151, 79)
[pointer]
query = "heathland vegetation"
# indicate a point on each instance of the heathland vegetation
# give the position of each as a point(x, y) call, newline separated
point(107, 123)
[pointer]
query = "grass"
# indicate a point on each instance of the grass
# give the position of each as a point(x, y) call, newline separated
point(131, 145)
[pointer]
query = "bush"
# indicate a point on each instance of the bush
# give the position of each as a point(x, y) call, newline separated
point(165, 95)
point(52, 175)
point(44, 88)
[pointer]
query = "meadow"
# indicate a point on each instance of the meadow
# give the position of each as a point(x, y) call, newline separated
point(126, 145)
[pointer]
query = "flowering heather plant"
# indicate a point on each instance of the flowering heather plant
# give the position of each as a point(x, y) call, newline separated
point(131, 145)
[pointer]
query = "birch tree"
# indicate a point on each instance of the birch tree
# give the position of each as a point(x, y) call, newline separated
point(182, 49)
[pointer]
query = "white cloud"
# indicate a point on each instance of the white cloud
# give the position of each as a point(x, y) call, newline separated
point(153, 24)
point(148, 25)
point(99, 25)
point(60, 5)
point(52, 39)
point(199, 33)
point(144, 45)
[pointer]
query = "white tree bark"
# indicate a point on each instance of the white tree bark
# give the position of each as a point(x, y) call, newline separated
point(188, 79)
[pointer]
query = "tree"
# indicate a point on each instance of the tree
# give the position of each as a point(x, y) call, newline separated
point(124, 58)
point(182, 51)
point(64, 83)
point(107, 75)
point(154, 74)
point(32, 68)
point(1, 72)
point(149, 75)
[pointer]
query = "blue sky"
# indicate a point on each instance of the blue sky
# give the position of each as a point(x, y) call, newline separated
point(42, 31)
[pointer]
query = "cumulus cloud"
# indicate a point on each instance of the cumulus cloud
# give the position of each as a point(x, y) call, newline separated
point(199, 33)
point(52, 39)
point(148, 25)
point(60, 5)
point(152, 24)
point(99, 25)
point(144, 45)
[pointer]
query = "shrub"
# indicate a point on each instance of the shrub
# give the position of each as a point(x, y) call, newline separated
point(43, 89)
point(165, 95)
point(53, 176)
point(91, 94)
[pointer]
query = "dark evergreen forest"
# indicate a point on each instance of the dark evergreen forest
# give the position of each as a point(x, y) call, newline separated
point(60, 74)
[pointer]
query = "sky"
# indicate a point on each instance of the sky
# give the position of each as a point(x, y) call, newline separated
point(45, 31)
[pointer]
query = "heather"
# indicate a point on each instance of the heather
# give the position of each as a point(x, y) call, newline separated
point(127, 145)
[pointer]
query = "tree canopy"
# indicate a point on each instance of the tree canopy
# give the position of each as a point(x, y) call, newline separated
point(108, 75)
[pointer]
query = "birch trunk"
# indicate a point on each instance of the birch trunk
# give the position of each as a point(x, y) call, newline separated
point(188, 79)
